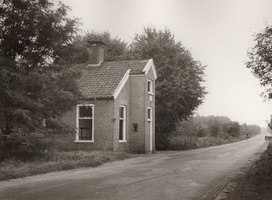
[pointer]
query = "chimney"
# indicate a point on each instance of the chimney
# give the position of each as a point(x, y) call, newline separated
point(95, 52)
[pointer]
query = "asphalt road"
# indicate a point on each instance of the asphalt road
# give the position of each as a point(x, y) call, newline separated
point(193, 174)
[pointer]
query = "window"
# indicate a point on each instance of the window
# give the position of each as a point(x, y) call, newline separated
point(85, 131)
point(149, 86)
point(122, 124)
point(150, 124)
point(149, 114)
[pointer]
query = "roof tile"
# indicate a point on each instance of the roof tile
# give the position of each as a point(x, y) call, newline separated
point(101, 81)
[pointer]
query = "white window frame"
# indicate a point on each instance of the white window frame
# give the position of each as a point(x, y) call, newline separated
point(77, 122)
point(124, 119)
point(150, 85)
point(150, 122)
point(149, 109)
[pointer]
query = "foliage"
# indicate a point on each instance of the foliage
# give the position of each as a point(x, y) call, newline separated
point(114, 50)
point(202, 132)
point(269, 123)
point(260, 60)
point(32, 30)
point(187, 128)
point(208, 120)
point(76, 52)
point(178, 87)
point(33, 89)
point(250, 130)
point(211, 124)
point(231, 128)
point(211, 130)
point(59, 161)
point(25, 147)
point(222, 126)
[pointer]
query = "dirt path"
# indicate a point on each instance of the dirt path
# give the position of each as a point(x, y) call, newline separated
point(195, 174)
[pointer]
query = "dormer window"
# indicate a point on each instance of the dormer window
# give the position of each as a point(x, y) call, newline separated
point(150, 86)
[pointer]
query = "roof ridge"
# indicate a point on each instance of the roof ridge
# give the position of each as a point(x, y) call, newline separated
point(126, 60)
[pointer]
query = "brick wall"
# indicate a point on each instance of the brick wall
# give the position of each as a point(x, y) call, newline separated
point(124, 100)
point(137, 113)
point(150, 102)
point(103, 126)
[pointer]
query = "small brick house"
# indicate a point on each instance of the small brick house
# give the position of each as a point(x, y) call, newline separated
point(118, 113)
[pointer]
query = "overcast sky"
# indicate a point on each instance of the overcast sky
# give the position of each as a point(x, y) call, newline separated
point(218, 33)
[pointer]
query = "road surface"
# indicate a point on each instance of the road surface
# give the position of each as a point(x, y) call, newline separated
point(193, 174)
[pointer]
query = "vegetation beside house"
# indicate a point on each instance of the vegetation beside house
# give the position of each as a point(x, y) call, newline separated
point(35, 90)
point(58, 161)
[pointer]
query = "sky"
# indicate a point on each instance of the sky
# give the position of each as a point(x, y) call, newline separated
point(218, 33)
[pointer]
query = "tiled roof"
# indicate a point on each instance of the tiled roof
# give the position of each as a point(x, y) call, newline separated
point(102, 81)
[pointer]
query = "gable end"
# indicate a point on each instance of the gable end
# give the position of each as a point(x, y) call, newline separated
point(150, 64)
point(121, 84)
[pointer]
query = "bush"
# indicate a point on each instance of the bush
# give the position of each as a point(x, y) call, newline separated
point(202, 132)
point(182, 142)
point(25, 147)
point(12, 168)
point(224, 136)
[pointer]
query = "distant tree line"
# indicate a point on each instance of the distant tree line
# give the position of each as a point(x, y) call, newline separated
point(220, 126)
point(213, 129)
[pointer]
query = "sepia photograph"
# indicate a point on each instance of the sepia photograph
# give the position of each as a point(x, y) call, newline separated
point(136, 100)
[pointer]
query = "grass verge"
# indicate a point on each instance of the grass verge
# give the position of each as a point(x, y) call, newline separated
point(257, 183)
point(60, 161)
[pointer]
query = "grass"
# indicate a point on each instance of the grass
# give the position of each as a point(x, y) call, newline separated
point(257, 183)
point(60, 161)
point(66, 158)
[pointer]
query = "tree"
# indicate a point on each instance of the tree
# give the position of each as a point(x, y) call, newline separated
point(260, 60)
point(114, 50)
point(231, 128)
point(269, 123)
point(33, 89)
point(72, 53)
point(214, 128)
point(178, 87)
point(76, 52)
point(202, 132)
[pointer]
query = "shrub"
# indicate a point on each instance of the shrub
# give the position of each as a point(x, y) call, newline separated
point(12, 168)
point(224, 136)
point(182, 142)
point(202, 132)
point(214, 128)
point(25, 147)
